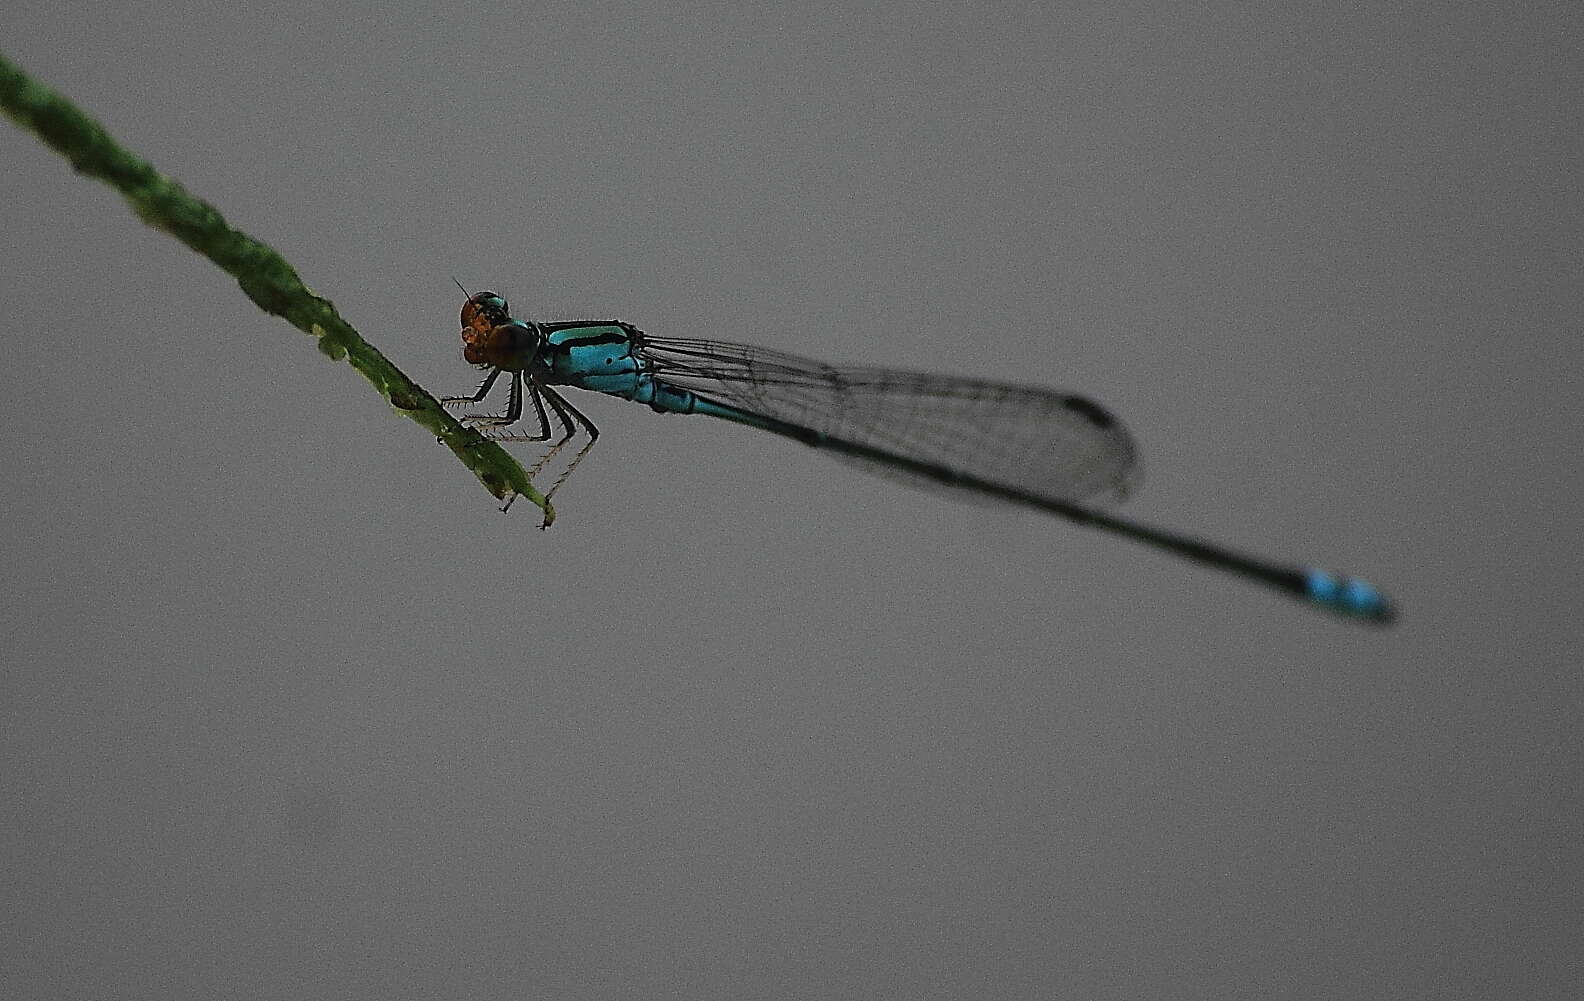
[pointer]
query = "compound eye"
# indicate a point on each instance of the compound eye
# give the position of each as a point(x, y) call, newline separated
point(489, 301)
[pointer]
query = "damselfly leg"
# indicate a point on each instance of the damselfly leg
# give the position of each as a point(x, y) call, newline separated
point(497, 427)
point(559, 404)
point(483, 391)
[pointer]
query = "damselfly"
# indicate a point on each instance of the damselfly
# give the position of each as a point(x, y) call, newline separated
point(1060, 453)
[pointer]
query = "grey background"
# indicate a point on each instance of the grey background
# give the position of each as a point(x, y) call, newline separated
point(291, 711)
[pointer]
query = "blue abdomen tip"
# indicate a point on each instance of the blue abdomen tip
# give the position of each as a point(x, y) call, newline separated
point(1348, 595)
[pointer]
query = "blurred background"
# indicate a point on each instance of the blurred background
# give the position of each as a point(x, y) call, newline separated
point(291, 710)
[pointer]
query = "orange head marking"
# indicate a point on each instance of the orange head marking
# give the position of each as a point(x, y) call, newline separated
point(483, 312)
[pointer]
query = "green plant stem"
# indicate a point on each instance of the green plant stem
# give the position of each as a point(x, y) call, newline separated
point(262, 273)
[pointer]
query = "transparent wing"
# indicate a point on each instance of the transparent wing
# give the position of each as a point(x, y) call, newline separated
point(1042, 441)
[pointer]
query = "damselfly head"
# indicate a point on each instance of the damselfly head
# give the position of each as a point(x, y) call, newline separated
point(483, 312)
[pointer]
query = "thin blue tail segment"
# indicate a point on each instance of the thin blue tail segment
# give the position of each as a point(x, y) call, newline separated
point(1348, 595)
